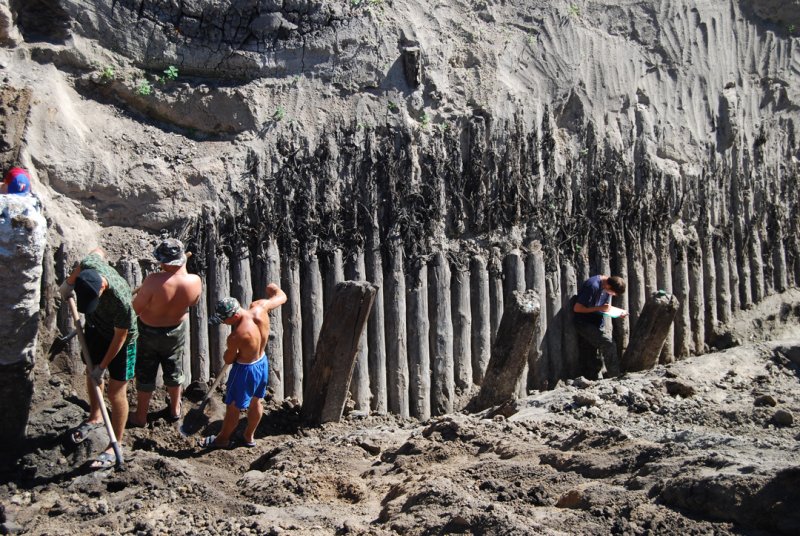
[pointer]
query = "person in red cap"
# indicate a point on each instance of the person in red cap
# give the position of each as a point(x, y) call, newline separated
point(104, 297)
point(17, 181)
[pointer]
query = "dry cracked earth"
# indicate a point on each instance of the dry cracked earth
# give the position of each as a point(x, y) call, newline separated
point(708, 445)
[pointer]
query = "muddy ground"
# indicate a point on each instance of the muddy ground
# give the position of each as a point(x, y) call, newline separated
point(709, 445)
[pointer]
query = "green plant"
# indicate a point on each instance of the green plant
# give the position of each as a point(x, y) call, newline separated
point(171, 73)
point(443, 127)
point(425, 120)
point(144, 88)
point(791, 29)
point(393, 106)
point(108, 74)
point(574, 10)
point(279, 114)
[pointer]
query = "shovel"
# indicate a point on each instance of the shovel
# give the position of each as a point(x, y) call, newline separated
point(196, 418)
point(60, 343)
point(112, 438)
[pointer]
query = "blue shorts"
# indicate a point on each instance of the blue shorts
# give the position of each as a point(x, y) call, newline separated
point(246, 381)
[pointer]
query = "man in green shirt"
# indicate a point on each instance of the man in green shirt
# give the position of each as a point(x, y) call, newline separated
point(104, 297)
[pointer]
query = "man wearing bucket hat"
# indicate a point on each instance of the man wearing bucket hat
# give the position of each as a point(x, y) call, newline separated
point(162, 304)
point(246, 350)
point(104, 297)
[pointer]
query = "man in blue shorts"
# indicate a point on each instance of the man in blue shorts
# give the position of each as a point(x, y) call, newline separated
point(249, 375)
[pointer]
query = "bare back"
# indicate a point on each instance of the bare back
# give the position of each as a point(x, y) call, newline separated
point(248, 339)
point(165, 297)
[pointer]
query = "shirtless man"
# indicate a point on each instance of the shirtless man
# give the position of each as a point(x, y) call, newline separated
point(247, 380)
point(162, 304)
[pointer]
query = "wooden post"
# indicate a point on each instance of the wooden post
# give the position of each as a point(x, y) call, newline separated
point(569, 337)
point(680, 278)
point(292, 329)
point(462, 327)
point(396, 347)
point(720, 246)
point(514, 280)
point(272, 273)
point(241, 278)
point(198, 317)
point(696, 292)
point(333, 274)
point(710, 285)
point(355, 270)
point(555, 364)
point(376, 333)
point(535, 280)
point(481, 314)
point(311, 305)
point(621, 327)
point(636, 286)
point(328, 383)
point(664, 272)
point(418, 346)
point(510, 351)
point(495, 291)
point(756, 264)
point(650, 333)
point(441, 336)
point(218, 288)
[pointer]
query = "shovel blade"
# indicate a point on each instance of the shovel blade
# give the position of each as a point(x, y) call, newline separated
point(60, 344)
point(194, 420)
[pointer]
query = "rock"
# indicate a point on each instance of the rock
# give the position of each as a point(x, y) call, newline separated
point(571, 499)
point(676, 388)
point(584, 399)
point(765, 400)
point(783, 418)
point(582, 383)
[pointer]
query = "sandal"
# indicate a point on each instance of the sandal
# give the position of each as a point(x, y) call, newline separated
point(240, 440)
point(208, 442)
point(105, 460)
point(79, 434)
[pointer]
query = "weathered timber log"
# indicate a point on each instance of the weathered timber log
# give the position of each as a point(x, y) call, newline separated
point(709, 285)
point(187, 353)
point(376, 334)
point(292, 330)
point(418, 345)
point(664, 274)
point(636, 286)
point(555, 326)
point(397, 374)
point(569, 339)
point(720, 245)
point(780, 271)
point(355, 270)
point(241, 277)
point(218, 288)
point(332, 274)
point(696, 290)
point(462, 326)
point(733, 278)
point(481, 317)
point(200, 350)
point(272, 273)
point(514, 281)
point(311, 306)
point(680, 285)
point(328, 383)
point(510, 351)
point(441, 336)
point(650, 333)
point(495, 291)
point(535, 280)
point(756, 265)
point(619, 266)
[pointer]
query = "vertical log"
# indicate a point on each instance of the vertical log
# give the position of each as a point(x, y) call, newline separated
point(418, 347)
point(219, 288)
point(481, 317)
point(720, 245)
point(495, 291)
point(272, 274)
point(396, 349)
point(664, 240)
point(514, 281)
point(650, 333)
point(756, 264)
point(462, 327)
point(741, 261)
point(241, 278)
point(200, 351)
point(441, 336)
point(311, 305)
point(696, 292)
point(510, 352)
point(710, 286)
point(636, 285)
point(187, 354)
point(328, 381)
point(334, 274)
point(780, 271)
point(538, 370)
point(619, 266)
point(292, 329)
point(569, 340)
point(355, 270)
point(650, 264)
point(376, 332)
point(555, 363)
point(680, 280)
